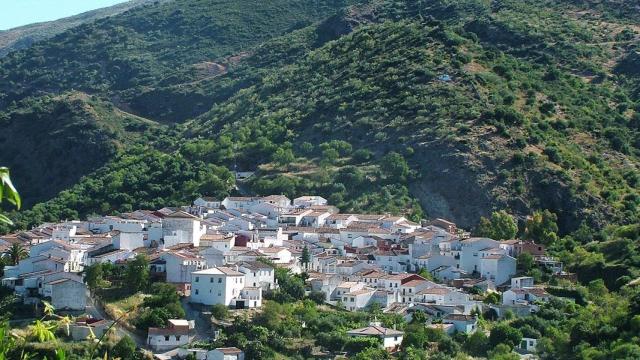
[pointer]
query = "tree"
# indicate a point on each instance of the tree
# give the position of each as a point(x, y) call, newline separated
point(492, 298)
point(283, 157)
point(502, 333)
point(258, 351)
point(305, 259)
point(137, 273)
point(329, 156)
point(362, 155)
point(220, 311)
point(16, 252)
point(394, 167)
point(525, 262)
point(372, 353)
point(424, 272)
point(125, 349)
point(476, 344)
point(542, 227)
point(502, 226)
point(502, 352)
point(93, 275)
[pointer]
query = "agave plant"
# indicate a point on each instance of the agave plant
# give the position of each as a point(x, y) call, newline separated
point(42, 331)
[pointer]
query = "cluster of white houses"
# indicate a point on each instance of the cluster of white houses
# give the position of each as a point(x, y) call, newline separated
point(213, 251)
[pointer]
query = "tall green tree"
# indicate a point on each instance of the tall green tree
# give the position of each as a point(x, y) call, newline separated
point(93, 275)
point(125, 349)
point(501, 226)
point(542, 227)
point(305, 259)
point(502, 333)
point(394, 167)
point(137, 273)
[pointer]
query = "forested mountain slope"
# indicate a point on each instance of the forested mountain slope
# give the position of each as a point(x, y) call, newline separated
point(454, 108)
point(52, 141)
point(24, 36)
point(114, 60)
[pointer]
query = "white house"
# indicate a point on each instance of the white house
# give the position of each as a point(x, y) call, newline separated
point(222, 242)
point(293, 217)
point(463, 323)
point(528, 345)
point(498, 268)
point(315, 219)
point(346, 287)
point(207, 202)
point(309, 201)
point(180, 264)
point(239, 203)
point(391, 339)
point(218, 285)
point(523, 296)
point(340, 221)
point(181, 228)
point(128, 240)
point(174, 335)
point(227, 353)
point(408, 291)
point(522, 282)
point(214, 257)
point(66, 294)
point(258, 274)
point(470, 252)
point(279, 255)
point(280, 201)
point(358, 299)
point(447, 273)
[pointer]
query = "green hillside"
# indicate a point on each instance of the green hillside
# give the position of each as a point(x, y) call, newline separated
point(514, 105)
point(25, 36)
point(52, 141)
point(117, 60)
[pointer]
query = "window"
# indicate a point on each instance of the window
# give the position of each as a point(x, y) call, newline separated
point(210, 279)
point(197, 278)
point(220, 280)
point(219, 293)
point(197, 291)
point(352, 299)
point(166, 338)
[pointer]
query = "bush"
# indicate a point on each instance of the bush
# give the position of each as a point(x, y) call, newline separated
point(362, 155)
point(317, 296)
point(220, 311)
point(125, 349)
